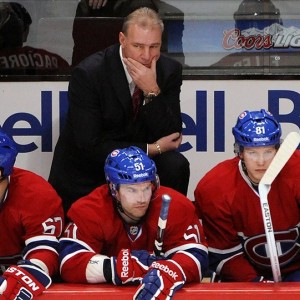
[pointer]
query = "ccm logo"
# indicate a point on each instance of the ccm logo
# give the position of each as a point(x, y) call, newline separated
point(23, 277)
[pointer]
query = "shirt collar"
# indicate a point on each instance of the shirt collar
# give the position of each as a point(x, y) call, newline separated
point(129, 79)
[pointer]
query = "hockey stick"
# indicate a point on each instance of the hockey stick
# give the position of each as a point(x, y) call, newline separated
point(283, 154)
point(162, 223)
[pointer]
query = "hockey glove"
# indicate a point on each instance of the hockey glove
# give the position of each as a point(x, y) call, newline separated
point(23, 281)
point(161, 281)
point(131, 266)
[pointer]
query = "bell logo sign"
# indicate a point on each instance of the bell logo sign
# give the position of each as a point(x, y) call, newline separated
point(25, 124)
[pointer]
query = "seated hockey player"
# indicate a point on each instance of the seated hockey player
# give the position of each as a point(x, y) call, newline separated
point(112, 233)
point(228, 202)
point(31, 220)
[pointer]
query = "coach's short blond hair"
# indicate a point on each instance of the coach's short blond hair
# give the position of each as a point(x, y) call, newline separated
point(144, 17)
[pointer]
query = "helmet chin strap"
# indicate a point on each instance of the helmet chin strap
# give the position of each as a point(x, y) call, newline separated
point(254, 184)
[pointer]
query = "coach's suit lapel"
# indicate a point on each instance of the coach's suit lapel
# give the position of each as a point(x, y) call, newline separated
point(119, 82)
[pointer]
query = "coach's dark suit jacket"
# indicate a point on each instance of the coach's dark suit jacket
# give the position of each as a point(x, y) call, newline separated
point(100, 119)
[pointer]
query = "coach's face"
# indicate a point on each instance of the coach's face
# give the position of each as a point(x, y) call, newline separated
point(135, 198)
point(257, 161)
point(141, 44)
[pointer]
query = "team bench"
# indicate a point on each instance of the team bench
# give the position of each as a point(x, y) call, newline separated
point(203, 291)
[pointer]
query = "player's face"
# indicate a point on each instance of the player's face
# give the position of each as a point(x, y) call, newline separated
point(257, 160)
point(135, 198)
point(141, 44)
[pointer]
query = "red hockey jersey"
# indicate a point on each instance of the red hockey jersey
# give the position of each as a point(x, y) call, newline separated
point(97, 228)
point(31, 220)
point(232, 219)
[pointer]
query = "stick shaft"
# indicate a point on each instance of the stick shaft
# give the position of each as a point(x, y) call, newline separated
point(284, 153)
point(271, 243)
point(162, 223)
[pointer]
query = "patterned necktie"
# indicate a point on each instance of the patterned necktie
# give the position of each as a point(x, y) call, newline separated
point(136, 99)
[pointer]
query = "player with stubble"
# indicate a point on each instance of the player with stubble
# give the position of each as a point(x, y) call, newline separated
point(113, 234)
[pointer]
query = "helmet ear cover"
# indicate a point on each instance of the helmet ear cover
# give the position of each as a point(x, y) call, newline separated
point(237, 149)
point(114, 189)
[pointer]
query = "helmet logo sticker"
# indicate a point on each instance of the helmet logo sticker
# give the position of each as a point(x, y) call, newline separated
point(114, 153)
point(141, 175)
point(242, 115)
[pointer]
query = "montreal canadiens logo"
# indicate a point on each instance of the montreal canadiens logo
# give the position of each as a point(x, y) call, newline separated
point(242, 115)
point(133, 230)
point(115, 153)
